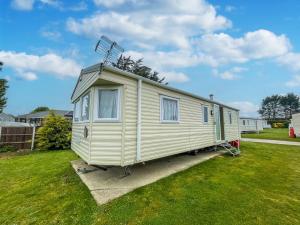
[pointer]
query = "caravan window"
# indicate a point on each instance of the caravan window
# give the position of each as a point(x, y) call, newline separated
point(85, 107)
point(169, 109)
point(108, 105)
point(76, 111)
point(244, 122)
point(205, 114)
point(230, 117)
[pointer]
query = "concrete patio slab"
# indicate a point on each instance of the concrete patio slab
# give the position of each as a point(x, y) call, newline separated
point(106, 185)
point(257, 140)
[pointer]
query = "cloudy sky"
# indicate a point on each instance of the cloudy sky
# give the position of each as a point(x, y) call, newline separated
point(241, 51)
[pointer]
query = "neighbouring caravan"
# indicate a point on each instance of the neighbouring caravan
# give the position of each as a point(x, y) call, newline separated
point(295, 123)
point(265, 124)
point(121, 119)
point(251, 125)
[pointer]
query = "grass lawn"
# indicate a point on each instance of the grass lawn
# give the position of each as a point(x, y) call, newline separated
point(262, 186)
point(273, 134)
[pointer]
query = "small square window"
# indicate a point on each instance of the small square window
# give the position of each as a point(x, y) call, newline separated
point(169, 109)
point(205, 114)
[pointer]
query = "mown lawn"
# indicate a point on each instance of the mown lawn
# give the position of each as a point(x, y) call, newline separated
point(262, 186)
point(272, 134)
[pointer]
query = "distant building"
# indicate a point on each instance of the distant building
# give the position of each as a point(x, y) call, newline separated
point(38, 117)
point(6, 117)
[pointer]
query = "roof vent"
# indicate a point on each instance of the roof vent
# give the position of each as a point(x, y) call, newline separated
point(211, 97)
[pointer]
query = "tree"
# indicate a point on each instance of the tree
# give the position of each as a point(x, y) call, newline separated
point(3, 88)
point(55, 134)
point(290, 104)
point(40, 109)
point(137, 67)
point(271, 107)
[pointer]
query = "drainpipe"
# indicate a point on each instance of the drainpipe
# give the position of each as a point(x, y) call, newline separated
point(139, 121)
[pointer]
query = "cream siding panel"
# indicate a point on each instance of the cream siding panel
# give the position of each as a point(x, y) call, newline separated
point(296, 123)
point(79, 143)
point(115, 143)
point(163, 139)
point(106, 143)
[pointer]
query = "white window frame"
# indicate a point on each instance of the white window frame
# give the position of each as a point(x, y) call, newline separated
point(81, 102)
point(205, 106)
point(96, 105)
point(162, 109)
point(78, 104)
point(230, 117)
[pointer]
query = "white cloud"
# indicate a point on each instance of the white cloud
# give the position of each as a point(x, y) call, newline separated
point(260, 44)
point(51, 64)
point(109, 3)
point(231, 74)
point(295, 82)
point(246, 108)
point(81, 6)
point(51, 35)
point(27, 75)
point(291, 61)
point(229, 8)
point(159, 22)
point(22, 4)
point(175, 77)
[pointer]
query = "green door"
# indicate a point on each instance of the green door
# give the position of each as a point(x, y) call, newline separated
point(217, 122)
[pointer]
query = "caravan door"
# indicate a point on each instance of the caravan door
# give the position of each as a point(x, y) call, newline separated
point(217, 116)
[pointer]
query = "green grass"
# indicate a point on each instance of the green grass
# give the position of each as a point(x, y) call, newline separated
point(272, 134)
point(262, 186)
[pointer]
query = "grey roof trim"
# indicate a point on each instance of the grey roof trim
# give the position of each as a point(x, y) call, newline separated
point(99, 66)
point(128, 74)
point(90, 69)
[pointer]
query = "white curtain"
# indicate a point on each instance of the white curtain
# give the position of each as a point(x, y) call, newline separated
point(108, 100)
point(85, 107)
point(170, 109)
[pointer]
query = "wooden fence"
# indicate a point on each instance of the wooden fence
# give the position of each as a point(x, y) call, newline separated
point(19, 137)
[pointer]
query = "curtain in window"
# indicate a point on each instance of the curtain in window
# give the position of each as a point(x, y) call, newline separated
point(170, 109)
point(205, 114)
point(77, 111)
point(85, 107)
point(108, 104)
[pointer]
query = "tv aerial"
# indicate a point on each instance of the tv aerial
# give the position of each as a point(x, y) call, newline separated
point(109, 50)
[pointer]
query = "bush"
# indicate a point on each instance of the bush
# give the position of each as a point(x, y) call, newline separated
point(8, 148)
point(55, 133)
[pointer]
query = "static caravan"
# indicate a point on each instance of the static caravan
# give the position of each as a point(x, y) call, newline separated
point(295, 123)
point(265, 124)
point(251, 125)
point(121, 119)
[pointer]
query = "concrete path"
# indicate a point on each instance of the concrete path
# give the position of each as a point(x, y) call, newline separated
point(110, 184)
point(270, 141)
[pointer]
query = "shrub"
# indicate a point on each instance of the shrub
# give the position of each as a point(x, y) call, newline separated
point(55, 133)
point(8, 148)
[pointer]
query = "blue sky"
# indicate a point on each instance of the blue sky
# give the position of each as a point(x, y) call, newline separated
point(241, 51)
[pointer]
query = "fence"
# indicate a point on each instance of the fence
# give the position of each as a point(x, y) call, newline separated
point(19, 137)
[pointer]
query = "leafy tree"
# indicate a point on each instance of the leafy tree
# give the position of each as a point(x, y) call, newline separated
point(271, 107)
point(3, 88)
point(40, 109)
point(55, 134)
point(290, 104)
point(137, 67)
